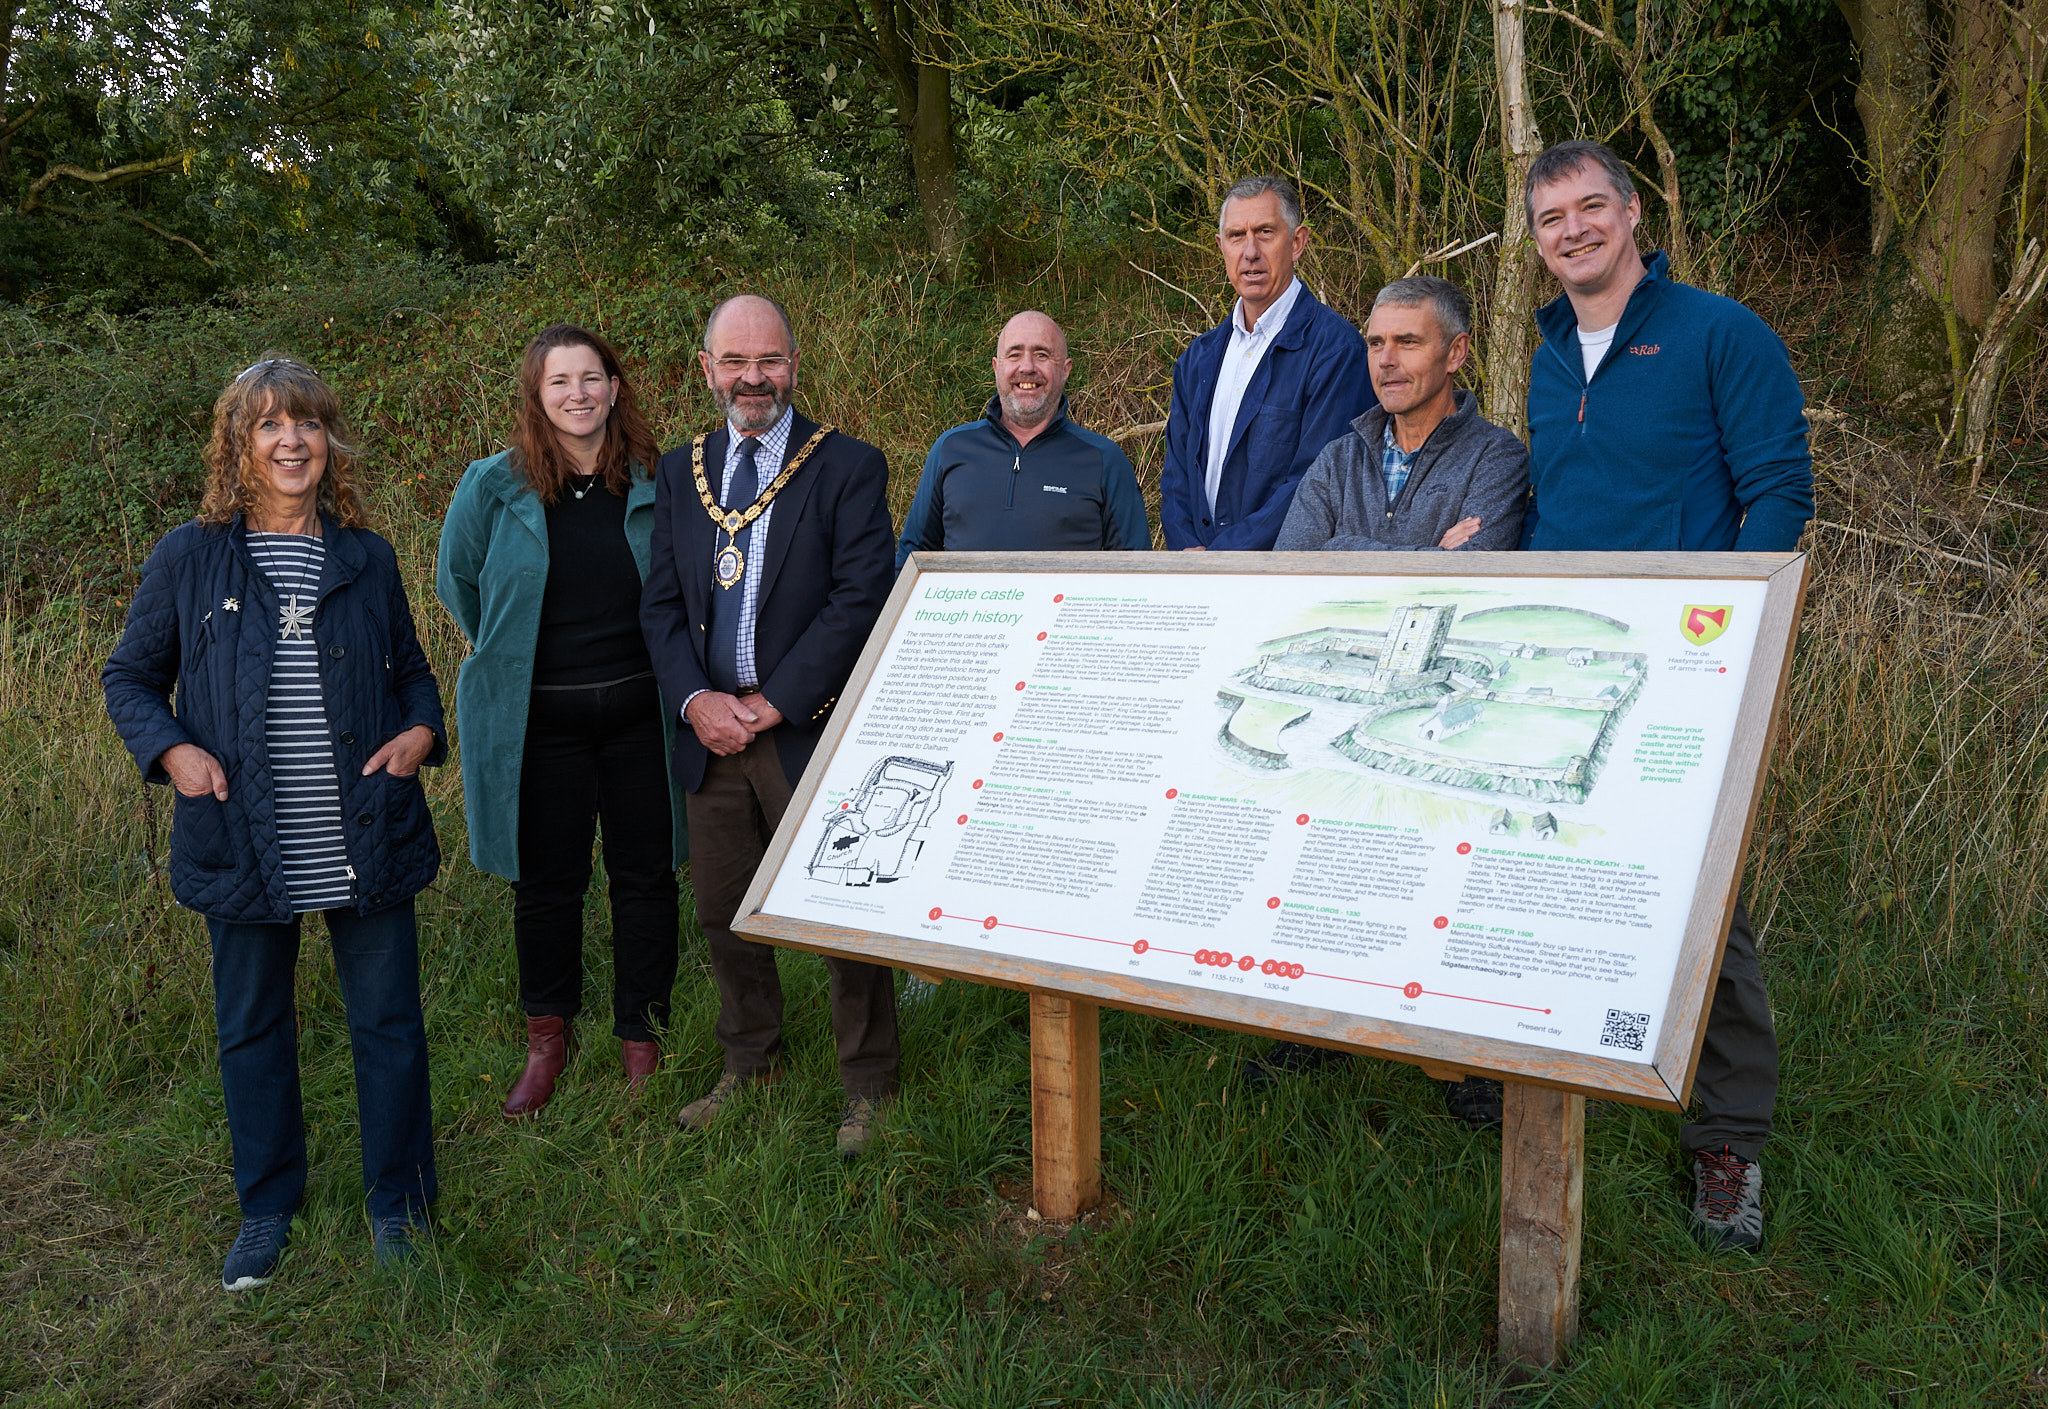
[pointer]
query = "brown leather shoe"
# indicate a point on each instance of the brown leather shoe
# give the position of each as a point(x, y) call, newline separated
point(549, 1041)
point(642, 1060)
point(702, 1111)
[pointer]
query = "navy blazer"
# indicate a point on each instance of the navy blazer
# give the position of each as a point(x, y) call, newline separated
point(828, 566)
point(204, 620)
point(1309, 387)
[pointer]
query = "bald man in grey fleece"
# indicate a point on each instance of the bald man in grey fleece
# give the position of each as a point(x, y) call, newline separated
point(1423, 469)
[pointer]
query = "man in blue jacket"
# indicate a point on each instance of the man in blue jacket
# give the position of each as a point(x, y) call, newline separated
point(1256, 400)
point(1024, 477)
point(1665, 417)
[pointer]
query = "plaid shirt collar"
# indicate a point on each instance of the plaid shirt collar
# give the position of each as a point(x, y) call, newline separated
point(1395, 463)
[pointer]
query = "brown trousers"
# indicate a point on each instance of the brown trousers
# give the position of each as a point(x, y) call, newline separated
point(733, 816)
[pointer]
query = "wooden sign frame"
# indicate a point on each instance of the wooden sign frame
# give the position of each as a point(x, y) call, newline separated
point(1545, 1106)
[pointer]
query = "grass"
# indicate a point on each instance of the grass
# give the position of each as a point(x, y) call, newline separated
point(1330, 1243)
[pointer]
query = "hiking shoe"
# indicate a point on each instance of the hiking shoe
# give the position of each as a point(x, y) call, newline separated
point(1290, 1059)
point(395, 1238)
point(253, 1260)
point(859, 1123)
point(702, 1111)
point(1476, 1100)
point(1727, 1201)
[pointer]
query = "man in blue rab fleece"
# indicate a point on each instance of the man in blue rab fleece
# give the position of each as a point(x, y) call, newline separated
point(1255, 400)
point(1665, 417)
point(1024, 477)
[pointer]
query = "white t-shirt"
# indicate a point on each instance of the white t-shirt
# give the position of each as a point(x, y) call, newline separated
point(1241, 358)
point(1593, 346)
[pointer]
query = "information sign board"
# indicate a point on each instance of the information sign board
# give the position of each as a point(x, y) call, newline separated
point(1483, 812)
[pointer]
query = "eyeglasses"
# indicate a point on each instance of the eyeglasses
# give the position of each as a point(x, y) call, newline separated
point(774, 364)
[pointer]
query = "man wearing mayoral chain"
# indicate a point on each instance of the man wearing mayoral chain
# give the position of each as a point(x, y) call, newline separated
point(772, 556)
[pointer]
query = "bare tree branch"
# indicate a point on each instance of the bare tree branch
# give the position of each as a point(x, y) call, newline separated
point(133, 219)
point(117, 176)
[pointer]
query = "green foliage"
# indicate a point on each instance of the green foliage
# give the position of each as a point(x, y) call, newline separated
point(1751, 93)
point(155, 152)
point(669, 115)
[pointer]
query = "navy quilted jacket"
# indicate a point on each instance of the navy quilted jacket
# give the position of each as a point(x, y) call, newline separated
point(204, 620)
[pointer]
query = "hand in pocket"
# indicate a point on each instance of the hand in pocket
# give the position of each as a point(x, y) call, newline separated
point(195, 772)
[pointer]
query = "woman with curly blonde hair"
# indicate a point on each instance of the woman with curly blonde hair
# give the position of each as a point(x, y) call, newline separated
point(305, 709)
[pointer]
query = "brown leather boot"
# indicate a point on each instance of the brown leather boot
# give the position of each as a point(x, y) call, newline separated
point(549, 1041)
point(642, 1060)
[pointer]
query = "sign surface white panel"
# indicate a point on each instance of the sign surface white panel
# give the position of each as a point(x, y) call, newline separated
point(1475, 804)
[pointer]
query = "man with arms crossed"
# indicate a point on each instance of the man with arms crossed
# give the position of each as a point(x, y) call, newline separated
point(1256, 399)
point(1665, 417)
point(1024, 477)
point(1423, 470)
point(760, 593)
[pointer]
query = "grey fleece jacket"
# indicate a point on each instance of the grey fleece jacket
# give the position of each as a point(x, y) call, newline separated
point(1468, 467)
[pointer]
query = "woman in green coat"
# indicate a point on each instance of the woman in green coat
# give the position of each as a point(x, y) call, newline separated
point(561, 725)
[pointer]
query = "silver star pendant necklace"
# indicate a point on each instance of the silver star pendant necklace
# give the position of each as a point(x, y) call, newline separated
point(294, 619)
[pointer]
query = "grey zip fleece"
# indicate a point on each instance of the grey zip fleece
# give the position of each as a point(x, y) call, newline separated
point(1468, 467)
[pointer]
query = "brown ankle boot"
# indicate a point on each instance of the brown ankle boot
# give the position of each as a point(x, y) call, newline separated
point(642, 1060)
point(548, 1044)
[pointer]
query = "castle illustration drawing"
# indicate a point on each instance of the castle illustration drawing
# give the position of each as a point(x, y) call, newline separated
point(876, 836)
point(1489, 710)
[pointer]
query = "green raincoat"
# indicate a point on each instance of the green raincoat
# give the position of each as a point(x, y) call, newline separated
point(493, 566)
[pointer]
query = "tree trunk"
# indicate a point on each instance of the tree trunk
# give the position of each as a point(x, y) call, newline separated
point(1992, 70)
point(935, 163)
point(1962, 107)
point(911, 53)
point(1511, 325)
point(1893, 93)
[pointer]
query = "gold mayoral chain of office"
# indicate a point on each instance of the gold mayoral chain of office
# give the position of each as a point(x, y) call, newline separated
point(731, 565)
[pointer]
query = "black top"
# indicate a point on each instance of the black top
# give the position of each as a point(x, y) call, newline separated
point(590, 608)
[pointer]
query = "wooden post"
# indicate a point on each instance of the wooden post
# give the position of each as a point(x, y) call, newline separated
point(1066, 1106)
point(1542, 1198)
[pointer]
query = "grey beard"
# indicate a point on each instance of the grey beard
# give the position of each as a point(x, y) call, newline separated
point(752, 420)
point(1014, 412)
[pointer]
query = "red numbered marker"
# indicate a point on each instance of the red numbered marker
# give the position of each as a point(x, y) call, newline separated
point(1020, 684)
point(977, 782)
point(963, 819)
point(935, 913)
point(1301, 821)
point(1140, 947)
point(1413, 990)
point(1295, 971)
point(1172, 793)
point(1464, 847)
point(999, 736)
point(1059, 596)
point(1273, 903)
point(1441, 921)
point(1041, 635)
point(989, 923)
point(1244, 965)
point(1202, 956)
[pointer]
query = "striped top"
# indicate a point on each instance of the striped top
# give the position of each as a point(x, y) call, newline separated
point(302, 772)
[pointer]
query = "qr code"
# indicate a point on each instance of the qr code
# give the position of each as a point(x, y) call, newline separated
point(1625, 1030)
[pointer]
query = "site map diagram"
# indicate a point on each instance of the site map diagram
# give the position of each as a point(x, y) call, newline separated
point(1479, 804)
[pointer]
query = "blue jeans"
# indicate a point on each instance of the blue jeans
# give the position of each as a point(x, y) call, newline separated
point(376, 957)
